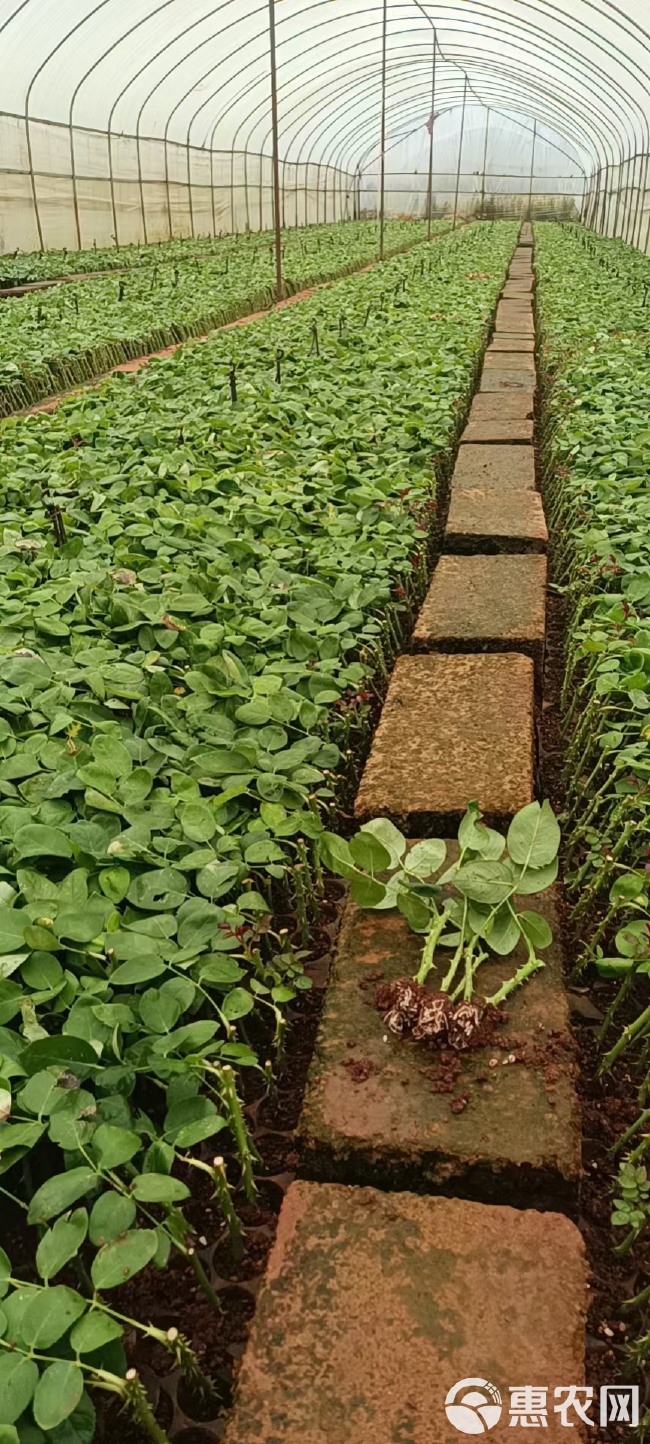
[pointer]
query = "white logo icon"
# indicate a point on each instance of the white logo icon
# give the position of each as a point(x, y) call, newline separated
point(473, 1406)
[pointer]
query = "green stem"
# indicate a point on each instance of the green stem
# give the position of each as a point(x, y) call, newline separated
point(429, 948)
point(521, 975)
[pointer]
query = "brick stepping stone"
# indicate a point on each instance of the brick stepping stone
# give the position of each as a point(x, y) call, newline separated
point(374, 1305)
point(516, 289)
point(499, 379)
point(485, 604)
point(485, 432)
point(507, 359)
point(485, 467)
point(502, 342)
point(513, 320)
point(372, 1110)
point(501, 408)
point(452, 728)
point(484, 519)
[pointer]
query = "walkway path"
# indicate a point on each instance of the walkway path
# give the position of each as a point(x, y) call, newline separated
point(377, 1300)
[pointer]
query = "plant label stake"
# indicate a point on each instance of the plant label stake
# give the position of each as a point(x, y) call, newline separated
point(314, 332)
point(278, 366)
point(232, 377)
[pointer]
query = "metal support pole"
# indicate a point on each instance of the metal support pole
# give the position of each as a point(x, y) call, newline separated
point(532, 170)
point(277, 223)
point(460, 152)
point(431, 122)
point(485, 152)
point(382, 155)
point(75, 192)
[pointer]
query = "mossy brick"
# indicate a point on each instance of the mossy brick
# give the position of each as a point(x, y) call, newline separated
point(500, 380)
point(514, 407)
point(514, 315)
point(507, 359)
point(500, 467)
point(375, 1304)
point(484, 519)
point(499, 432)
point(485, 604)
point(373, 1115)
point(514, 319)
point(452, 728)
point(502, 342)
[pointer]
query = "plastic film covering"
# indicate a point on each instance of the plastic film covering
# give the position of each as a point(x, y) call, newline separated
point(132, 120)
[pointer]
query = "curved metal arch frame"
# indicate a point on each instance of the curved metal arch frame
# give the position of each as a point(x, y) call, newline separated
point(353, 127)
point(623, 23)
point(545, 38)
point(452, 62)
point(559, 126)
point(454, 97)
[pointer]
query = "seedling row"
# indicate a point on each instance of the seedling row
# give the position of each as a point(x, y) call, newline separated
point(205, 573)
point(53, 340)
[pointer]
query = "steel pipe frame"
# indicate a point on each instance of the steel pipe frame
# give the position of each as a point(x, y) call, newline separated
point(545, 85)
point(543, 35)
point(498, 15)
point(545, 38)
point(584, 141)
point(354, 127)
point(624, 23)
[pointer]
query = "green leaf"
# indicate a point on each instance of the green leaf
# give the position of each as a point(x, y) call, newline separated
point(139, 970)
point(237, 1004)
point(59, 1193)
point(160, 890)
point(533, 880)
point(63, 1052)
point(93, 1331)
point(536, 929)
point(369, 853)
point(5, 1273)
point(35, 840)
point(426, 858)
point(389, 836)
point(502, 932)
point(123, 1257)
point(484, 881)
point(158, 1188)
point(49, 1314)
point(57, 1394)
point(217, 878)
point(18, 1380)
point(61, 1243)
point(191, 1121)
point(112, 1146)
point(418, 915)
point(111, 1215)
point(9, 1434)
point(474, 836)
point(336, 855)
point(114, 883)
point(366, 892)
point(534, 836)
point(79, 1428)
point(198, 821)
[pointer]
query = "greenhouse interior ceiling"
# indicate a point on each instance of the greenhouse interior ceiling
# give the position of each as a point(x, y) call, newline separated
point(128, 122)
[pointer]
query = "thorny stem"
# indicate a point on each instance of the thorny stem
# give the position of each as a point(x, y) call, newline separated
point(430, 947)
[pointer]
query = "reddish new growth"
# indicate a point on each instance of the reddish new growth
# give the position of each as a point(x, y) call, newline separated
point(406, 1007)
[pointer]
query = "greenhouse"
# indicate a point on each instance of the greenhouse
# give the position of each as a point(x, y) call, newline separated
point(324, 720)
